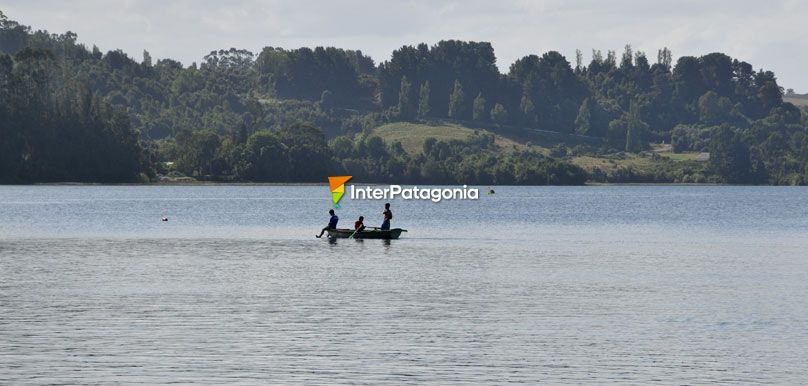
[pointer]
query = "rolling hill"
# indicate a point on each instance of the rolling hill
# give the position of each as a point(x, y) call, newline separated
point(412, 137)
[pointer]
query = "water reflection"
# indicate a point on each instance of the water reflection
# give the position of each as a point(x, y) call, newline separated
point(387, 243)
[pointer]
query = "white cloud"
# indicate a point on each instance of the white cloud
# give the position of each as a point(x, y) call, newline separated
point(769, 35)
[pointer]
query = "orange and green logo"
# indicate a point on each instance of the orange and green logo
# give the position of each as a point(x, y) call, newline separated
point(337, 185)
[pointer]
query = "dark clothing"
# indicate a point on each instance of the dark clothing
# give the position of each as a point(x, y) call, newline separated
point(388, 215)
point(332, 224)
point(358, 224)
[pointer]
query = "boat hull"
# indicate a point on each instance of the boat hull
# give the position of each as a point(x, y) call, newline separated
point(366, 234)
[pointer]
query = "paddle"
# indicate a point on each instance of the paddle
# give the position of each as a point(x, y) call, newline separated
point(354, 232)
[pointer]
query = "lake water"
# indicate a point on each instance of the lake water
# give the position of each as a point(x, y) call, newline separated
point(599, 284)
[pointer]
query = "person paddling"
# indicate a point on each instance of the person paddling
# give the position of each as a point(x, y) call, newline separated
point(388, 215)
point(332, 223)
point(359, 225)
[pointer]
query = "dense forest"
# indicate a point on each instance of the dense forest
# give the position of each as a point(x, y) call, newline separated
point(73, 113)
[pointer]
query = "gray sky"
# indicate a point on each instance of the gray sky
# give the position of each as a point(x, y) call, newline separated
point(768, 34)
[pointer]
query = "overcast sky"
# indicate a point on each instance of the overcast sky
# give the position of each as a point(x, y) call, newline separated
point(768, 34)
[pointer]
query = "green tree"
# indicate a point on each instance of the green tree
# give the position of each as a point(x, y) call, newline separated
point(665, 58)
point(327, 100)
point(769, 95)
point(456, 100)
point(687, 80)
point(479, 111)
point(53, 127)
point(499, 114)
point(307, 153)
point(528, 110)
point(611, 59)
point(147, 59)
point(263, 159)
point(429, 143)
point(713, 109)
point(552, 86)
point(196, 152)
point(583, 122)
point(634, 129)
point(423, 100)
point(730, 157)
point(717, 73)
point(405, 105)
point(342, 147)
point(13, 36)
point(626, 62)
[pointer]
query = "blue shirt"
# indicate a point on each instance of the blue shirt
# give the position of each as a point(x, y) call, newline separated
point(332, 224)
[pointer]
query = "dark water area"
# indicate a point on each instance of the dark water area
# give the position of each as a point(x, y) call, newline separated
point(599, 284)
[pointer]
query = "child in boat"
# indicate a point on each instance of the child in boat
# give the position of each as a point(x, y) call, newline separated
point(388, 215)
point(359, 225)
point(332, 223)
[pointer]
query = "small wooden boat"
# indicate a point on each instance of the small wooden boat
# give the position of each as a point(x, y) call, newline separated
point(367, 233)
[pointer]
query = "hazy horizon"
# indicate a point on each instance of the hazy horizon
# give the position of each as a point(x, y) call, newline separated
point(184, 30)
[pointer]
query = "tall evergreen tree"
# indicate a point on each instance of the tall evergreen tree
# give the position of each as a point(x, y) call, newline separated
point(611, 59)
point(528, 110)
point(634, 128)
point(626, 62)
point(665, 58)
point(423, 100)
point(583, 122)
point(456, 100)
point(405, 105)
point(479, 112)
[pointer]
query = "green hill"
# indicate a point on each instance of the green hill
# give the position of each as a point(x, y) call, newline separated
point(642, 166)
point(797, 100)
point(412, 135)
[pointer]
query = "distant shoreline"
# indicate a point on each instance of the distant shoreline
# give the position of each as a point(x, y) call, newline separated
point(177, 183)
point(214, 183)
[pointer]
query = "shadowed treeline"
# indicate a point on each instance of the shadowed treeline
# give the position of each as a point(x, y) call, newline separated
point(70, 113)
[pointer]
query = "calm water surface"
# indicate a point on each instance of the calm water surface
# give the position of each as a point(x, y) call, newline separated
point(607, 284)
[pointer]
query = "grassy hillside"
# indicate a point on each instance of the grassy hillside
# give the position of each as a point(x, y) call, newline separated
point(606, 163)
point(797, 100)
point(412, 135)
point(689, 156)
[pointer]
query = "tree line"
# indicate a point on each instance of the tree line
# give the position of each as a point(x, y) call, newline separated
point(301, 153)
point(210, 118)
point(54, 128)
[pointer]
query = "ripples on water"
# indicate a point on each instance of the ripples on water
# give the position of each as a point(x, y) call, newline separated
point(556, 285)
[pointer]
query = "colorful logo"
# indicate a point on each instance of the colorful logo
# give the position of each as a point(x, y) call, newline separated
point(337, 185)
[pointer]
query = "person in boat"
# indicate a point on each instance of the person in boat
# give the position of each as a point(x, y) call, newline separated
point(359, 225)
point(332, 223)
point(388, 215)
